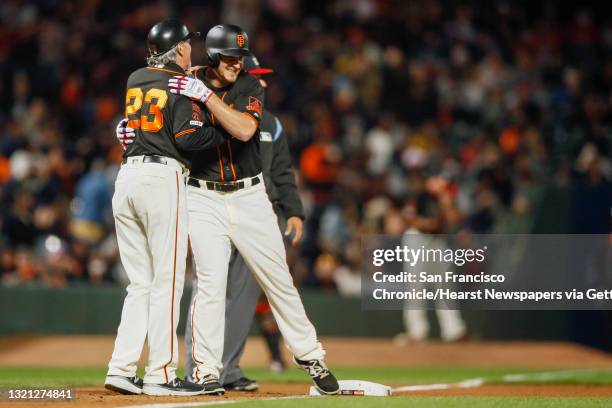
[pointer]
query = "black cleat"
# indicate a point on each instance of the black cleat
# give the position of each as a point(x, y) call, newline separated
point(175, 387)
point(242, 384)
point(123, 385)
point(211, 385)
point(323, 379)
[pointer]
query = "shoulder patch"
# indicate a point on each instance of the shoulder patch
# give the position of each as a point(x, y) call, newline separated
point(196, 113)
point(255, 106)
point(265, 136)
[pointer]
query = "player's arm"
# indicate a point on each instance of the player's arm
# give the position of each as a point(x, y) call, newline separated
point(240, 125)
point(283, 178)
point(241, 121)
point(282, 175)
point(191, 130)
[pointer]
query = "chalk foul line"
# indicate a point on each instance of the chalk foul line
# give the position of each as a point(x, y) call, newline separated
point(468, 383)
point(508, 378)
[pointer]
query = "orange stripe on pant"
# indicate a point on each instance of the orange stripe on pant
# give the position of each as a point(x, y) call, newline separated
point(173, 281)
point(197, 376)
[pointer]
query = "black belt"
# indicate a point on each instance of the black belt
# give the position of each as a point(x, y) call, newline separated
point(149, 159)
point(226, 187)
point(155, 159)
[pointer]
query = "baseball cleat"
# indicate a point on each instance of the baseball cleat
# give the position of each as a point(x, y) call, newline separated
point(176, 387)
point(210, 384)
point(242, 384)
point(123, 385)
point(323, 379)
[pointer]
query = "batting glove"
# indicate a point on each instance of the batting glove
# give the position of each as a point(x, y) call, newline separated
point(192, 88)
point(125, 135)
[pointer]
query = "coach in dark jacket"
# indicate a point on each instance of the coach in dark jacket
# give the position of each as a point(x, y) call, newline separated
point(277, 169)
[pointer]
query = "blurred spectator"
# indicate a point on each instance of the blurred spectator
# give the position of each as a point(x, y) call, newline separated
point(502, 102)
point(91, 204)
point(18, 225)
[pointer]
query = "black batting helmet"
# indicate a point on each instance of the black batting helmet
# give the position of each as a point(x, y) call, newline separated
point(226, 39)
point(166, 34)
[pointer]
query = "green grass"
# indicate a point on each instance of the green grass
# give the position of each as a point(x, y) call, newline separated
point(27, 376)
point(75, 377)
point(430, 402)
point(51, 377)
point(10, 376)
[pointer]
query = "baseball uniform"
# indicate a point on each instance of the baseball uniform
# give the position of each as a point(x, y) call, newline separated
point(150, 212)
point(243, 290)
point(238, 213)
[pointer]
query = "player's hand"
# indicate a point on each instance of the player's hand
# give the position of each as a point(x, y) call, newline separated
point(295, 224)
point(192, 88)
point(125, 135)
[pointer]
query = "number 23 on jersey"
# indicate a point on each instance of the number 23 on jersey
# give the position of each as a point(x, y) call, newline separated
point(152, 118)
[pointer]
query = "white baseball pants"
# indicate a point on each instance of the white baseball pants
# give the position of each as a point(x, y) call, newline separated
point(149, 207)
point(245, 218)
point(452, 326)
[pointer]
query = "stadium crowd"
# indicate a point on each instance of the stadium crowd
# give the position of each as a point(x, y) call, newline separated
point(487, 102)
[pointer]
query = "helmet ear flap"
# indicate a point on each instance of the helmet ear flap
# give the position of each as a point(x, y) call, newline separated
point(213, 59)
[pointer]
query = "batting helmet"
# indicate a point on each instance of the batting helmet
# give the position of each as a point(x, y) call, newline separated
point(226, 39)
point(167, 34)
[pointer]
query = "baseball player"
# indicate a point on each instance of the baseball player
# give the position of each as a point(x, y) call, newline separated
point(228, 205)
point(149, 207)
point(243, 291)
point(429, 215)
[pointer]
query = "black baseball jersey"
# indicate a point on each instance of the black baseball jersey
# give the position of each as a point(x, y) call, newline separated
point(232, 159)
point(277, 169)
point(165, 124)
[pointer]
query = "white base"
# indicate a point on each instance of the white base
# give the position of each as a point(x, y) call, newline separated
point(358, 388)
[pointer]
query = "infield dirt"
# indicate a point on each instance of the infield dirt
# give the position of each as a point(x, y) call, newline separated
point(94, 351)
